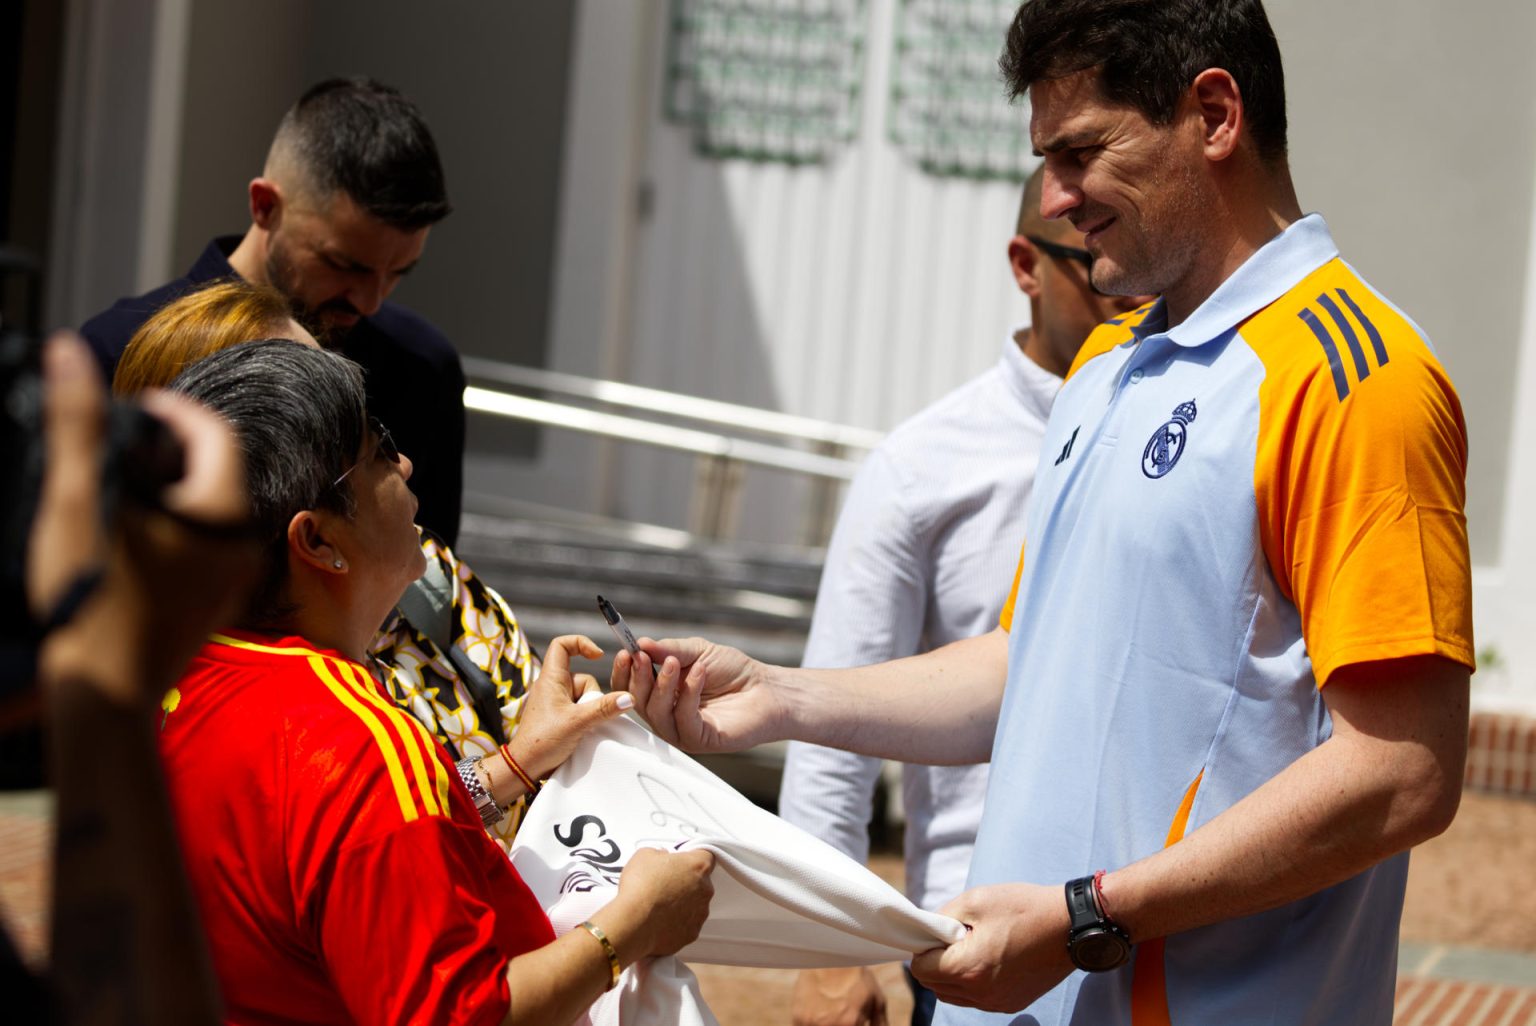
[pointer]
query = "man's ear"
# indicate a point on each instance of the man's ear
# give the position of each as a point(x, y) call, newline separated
point(1219, 103)
point(309, 541)
point(1024, 260)
point(266, 198)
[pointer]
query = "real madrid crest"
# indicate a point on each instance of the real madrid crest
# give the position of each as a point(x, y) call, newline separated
point(1167, 443)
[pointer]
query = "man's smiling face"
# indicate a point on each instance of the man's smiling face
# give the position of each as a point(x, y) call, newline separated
point(1133, 188)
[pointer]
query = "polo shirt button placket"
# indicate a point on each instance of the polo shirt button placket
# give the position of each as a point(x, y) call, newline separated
point(1137, 375)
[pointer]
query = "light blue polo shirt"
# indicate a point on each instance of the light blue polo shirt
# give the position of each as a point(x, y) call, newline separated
point(1225, 513)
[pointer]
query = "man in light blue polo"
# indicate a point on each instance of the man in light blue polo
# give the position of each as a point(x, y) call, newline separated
point(1230, 690)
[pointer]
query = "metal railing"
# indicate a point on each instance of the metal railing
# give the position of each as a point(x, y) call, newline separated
point(676, 405)
point(719, 458)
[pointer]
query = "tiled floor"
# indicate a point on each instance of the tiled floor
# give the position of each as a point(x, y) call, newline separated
point(25, 839)
point(1427, 1001)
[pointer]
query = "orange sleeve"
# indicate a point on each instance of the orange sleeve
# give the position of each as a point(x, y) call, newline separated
point(1006, 620)
point(1361, 479)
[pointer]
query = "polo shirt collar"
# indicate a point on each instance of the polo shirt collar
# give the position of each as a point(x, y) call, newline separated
point(214, 261)
point(1270, 273)
point(1035, 386)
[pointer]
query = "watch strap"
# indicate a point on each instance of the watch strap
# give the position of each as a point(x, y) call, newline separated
point(1082, 905)
point(1095, 942)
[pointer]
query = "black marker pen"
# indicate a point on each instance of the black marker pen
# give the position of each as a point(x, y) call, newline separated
point(622, 632)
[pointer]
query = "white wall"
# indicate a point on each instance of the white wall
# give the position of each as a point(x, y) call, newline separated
point(856, 291)
point(1504, 593)
point(1411, 132)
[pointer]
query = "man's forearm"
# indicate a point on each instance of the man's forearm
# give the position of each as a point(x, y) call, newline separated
point(1360, 797)
point(939, 707)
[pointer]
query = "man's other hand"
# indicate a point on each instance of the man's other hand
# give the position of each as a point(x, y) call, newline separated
point(1014, 950)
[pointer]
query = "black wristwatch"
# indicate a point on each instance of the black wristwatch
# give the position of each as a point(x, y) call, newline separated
point(1096, 942)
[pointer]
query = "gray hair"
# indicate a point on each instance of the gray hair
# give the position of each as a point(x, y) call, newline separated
point(300, 414)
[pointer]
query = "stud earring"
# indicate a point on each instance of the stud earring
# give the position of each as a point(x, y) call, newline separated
point(336, 564)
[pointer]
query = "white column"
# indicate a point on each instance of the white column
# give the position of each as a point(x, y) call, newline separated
point(612, 73)
point(119, 129)
point(1505, 596)
point(162, 144)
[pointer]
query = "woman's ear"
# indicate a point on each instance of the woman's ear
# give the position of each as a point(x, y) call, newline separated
point(310, 541)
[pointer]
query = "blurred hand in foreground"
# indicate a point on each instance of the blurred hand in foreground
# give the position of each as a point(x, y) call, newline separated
point(169, 575)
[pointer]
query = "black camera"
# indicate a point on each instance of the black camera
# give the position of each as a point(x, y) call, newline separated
point(141, 457)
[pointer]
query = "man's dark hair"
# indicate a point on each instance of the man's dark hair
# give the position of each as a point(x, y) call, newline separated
point(1149, 51)
point(300, 416)
point(363, 138)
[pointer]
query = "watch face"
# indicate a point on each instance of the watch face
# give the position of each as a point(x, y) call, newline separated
point(1097, 950)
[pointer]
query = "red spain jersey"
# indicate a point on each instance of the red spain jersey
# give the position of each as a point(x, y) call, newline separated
point(338, 863)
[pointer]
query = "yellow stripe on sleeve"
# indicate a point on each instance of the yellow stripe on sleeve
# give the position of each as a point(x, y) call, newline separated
point(346, 697)
point(357, 695)
point(412, 737)
point(428, 738)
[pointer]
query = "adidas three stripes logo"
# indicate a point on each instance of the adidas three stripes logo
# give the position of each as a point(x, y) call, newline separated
point(1341, 323)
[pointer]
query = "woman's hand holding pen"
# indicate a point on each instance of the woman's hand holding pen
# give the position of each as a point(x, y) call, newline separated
point(706, 698)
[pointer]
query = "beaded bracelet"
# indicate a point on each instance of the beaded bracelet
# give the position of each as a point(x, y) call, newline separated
point(518, 771)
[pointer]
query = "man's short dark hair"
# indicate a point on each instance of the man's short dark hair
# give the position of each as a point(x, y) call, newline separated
point(299, 413)
point(1030, 220)
point(363, 138)
point(1149, 51)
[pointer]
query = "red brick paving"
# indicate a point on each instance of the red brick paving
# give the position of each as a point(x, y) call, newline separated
point(1425, 1001)
point(24, 850)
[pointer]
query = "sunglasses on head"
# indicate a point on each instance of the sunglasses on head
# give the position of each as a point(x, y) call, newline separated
point(384, 447)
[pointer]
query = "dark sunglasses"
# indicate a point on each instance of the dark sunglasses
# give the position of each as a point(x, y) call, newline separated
point(386, 447)
point(1060, 252)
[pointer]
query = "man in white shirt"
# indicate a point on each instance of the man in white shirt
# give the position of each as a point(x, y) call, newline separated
point(921, 557)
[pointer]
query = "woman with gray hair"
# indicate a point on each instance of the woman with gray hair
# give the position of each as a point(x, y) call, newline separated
point(337, 857)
